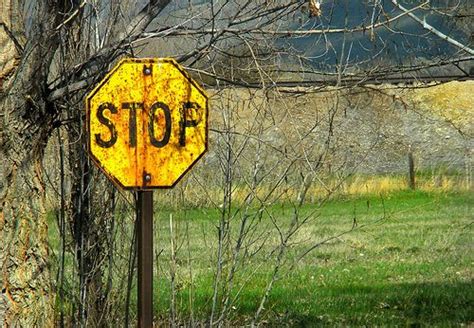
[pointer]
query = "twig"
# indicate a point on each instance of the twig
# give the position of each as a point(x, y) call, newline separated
point(434, 30)
point(74, 14)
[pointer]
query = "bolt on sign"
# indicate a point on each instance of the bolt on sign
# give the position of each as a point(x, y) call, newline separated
point(147, 123)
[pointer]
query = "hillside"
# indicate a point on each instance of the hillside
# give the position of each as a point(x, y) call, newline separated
point(372, 131)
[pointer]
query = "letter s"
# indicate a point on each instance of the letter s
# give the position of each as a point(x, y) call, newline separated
point(105, 121)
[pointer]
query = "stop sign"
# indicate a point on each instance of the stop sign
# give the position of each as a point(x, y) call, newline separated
point(146, 123)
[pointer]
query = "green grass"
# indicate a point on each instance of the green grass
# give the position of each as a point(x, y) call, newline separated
point(410, 264)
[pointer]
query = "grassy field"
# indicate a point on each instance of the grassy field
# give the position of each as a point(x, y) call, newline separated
point(409, 263)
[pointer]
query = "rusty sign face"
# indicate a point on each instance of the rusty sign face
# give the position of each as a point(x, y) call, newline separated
point(147, 123)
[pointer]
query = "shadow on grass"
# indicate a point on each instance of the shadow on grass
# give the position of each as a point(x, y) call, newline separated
point(406, 304)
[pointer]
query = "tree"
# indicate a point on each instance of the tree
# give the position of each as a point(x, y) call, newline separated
point(53, 52)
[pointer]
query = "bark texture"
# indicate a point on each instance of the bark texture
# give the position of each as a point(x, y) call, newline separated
point(26, 122)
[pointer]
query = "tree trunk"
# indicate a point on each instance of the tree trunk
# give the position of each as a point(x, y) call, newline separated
point(26, 122)
point(26, 291)
point(27, 295)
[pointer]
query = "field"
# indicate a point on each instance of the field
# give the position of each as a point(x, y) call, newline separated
point(366, 251)
point(408, 262)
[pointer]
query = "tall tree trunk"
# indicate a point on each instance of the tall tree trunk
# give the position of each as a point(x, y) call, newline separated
point(26, 122)
point(26, 290)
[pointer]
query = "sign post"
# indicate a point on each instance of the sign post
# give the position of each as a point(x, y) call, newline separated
point(147, 125)
point(145, 258)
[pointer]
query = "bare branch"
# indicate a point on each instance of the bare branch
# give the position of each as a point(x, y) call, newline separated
point(433, 30)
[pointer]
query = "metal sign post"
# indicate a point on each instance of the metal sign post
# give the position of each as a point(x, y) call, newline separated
point(145, 258)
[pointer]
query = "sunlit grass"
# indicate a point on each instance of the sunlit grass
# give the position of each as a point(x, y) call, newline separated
point(435, 181)
point(408, 262)
point(412, 267)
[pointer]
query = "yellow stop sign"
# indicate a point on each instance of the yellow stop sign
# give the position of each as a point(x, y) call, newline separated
point(147, 123)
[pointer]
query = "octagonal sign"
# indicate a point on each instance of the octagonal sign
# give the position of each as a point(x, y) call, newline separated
point(147, 123)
